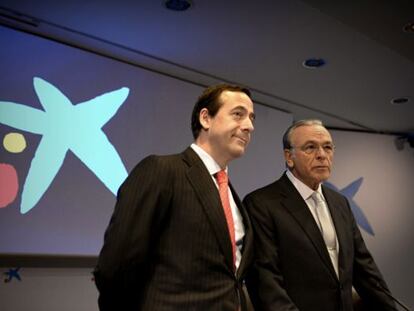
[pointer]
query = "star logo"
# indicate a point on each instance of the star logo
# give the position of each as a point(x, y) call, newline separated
point(12, 274)
point(349, 192)
point(66, 127)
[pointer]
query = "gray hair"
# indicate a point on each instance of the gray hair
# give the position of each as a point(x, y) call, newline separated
point(287, 144)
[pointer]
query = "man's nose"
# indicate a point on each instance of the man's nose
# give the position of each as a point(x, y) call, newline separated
point(320, 152)
point(248, 125)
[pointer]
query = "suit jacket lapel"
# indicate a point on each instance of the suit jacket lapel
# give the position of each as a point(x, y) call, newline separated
point(207, 192)
point(297, 207)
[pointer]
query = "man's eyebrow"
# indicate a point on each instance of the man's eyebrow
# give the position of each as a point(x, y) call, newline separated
point(317, 143)
point(239, 107)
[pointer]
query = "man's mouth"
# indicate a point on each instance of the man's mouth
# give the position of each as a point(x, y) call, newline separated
point(244, 140)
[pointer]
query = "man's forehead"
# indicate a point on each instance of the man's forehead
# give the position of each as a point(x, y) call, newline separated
point(311, 133)
point(236, 99)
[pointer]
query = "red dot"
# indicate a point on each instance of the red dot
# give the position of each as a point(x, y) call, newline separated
point(9, 185)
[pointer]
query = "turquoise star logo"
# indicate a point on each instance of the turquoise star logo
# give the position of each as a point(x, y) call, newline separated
point(349, 192)
point(66, 127)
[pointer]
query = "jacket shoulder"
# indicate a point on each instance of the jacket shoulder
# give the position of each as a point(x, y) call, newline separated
point(273, 189)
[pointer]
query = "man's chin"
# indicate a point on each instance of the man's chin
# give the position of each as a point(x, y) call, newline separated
point(322, 178)
point(322, 173)
point(238, 151)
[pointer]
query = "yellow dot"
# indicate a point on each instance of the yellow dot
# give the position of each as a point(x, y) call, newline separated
point(14, 142)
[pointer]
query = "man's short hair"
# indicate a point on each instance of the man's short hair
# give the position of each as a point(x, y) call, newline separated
point(210, 99)
point(287, 143)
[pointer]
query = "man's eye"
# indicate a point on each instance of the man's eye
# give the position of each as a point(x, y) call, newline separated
point(310, 148)
point(237, 114)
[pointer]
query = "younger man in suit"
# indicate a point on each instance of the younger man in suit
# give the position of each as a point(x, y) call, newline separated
point(309, 250)
point(171, 243)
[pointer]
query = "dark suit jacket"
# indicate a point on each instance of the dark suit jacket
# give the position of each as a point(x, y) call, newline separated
point(293, 270)
point(167, 246)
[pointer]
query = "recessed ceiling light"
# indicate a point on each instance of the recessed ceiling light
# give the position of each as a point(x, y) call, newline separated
point(314, 63)
point(178, 5)
point(400, 100)
point(409, 28)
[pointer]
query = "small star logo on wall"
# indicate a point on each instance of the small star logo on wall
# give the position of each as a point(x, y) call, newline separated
point(12, 274)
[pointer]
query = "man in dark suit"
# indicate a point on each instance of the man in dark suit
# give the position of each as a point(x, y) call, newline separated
point(309, 250)
point(169, 245)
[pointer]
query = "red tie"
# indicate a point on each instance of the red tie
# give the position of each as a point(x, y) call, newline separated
point(223, 182)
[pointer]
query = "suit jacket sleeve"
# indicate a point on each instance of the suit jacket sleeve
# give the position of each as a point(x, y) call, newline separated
point(265, 282)
point(124, 260)
point(367, 279)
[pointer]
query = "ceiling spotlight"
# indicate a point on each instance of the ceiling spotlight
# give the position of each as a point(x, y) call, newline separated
point(178, 5)
point(409, 28)
point(400, 100)
point(314, 63)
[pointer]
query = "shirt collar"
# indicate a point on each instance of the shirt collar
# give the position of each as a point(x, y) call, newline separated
point(304, 191)
point(208, 161)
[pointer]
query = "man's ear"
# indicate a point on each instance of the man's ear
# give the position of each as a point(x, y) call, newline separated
point(204, 118)
point(288, 158)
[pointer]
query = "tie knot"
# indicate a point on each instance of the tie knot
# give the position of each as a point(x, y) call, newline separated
point(221, 177)
point(317, 197)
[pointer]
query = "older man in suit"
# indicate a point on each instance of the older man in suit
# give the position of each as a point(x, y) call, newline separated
point(309, 250)
point(179, 238)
